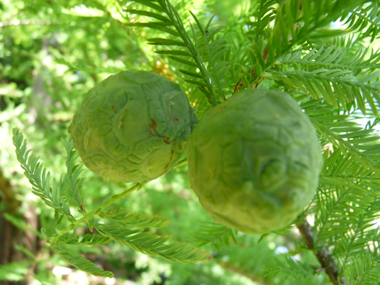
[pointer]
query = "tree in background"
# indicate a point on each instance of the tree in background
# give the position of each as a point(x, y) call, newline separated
point(53, 52)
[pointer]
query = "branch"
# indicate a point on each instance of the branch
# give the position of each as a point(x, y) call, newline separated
point(97, 211)
point(255, 85)
point(239, 85)
point(323, 255)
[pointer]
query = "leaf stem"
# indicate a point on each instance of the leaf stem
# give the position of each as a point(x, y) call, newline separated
point(174, 17)
point(97, 211)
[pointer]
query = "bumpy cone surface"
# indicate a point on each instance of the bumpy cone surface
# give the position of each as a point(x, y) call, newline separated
point(133, 126)
point(254, 161)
